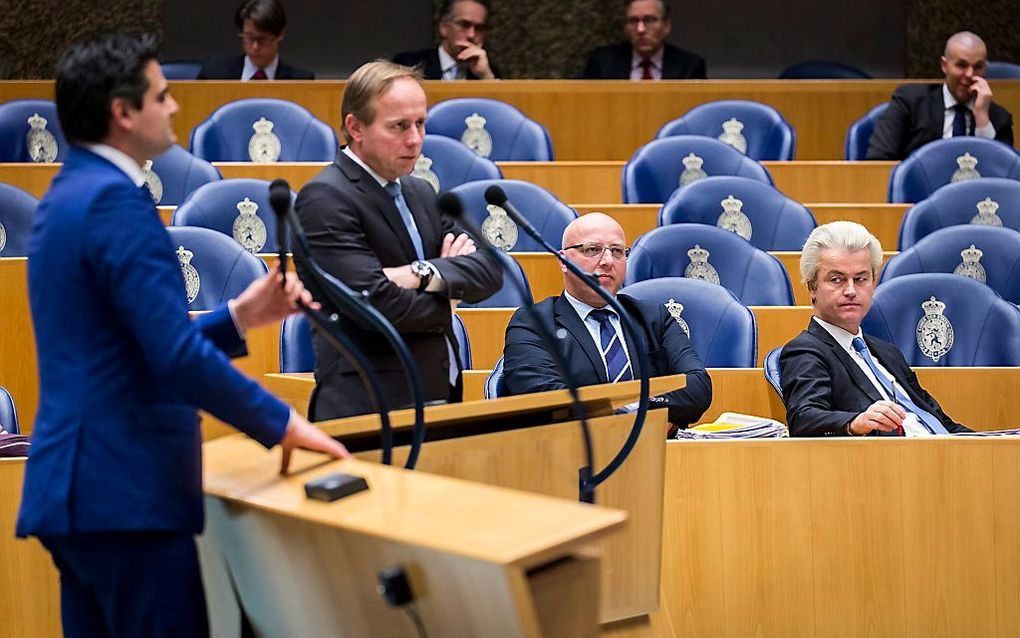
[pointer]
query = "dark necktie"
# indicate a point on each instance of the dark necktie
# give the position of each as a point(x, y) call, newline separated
point(260, 74)
point(617, 364)
point(960, 120)
point(928, 420)
point(393, 189)
point(646, 69)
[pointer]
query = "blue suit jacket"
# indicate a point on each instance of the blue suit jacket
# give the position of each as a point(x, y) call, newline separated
point(528, 367)
point(116, 444)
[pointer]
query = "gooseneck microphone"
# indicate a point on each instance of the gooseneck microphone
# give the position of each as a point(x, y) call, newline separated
point(340, 296)
point(450, 204)
point(494, 195)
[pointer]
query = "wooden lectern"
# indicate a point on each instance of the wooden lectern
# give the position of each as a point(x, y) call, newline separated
point(481, 560)
point(531, 442)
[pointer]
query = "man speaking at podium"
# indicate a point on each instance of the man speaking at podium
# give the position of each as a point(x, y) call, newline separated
point(594, 348)
point(113, 487)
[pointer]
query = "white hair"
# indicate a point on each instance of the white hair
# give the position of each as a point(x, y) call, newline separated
point(848, 236)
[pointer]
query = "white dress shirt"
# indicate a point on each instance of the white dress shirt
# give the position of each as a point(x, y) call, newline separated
point(595, 328)
point(250, 68)
point(636, 72)
point(987, 131)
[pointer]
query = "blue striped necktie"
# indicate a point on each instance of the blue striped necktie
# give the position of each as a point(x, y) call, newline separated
point(927, 419)
point(393, 189)
point(617, 363)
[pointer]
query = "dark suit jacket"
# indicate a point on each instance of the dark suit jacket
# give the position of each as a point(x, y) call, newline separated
point(528, 367)
point(612, 62)
point(116, 444)
point(428, 61)
point(230, 67)
point(824, 389)
point(355, 231)
point(916, 116)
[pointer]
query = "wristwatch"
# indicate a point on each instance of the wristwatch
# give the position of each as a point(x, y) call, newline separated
point(424, 271)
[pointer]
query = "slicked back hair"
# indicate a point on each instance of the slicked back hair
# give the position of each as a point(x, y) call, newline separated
point(368, 82)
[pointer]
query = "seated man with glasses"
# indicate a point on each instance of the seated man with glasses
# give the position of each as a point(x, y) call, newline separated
point(593, 346)
point(646, 55)
point(261, 25)
point(461, 54)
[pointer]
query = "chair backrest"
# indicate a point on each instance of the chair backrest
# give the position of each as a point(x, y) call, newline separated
point(492, 129)
point(548, 214)
point(664, 165)
point(700, 251)
point(757, 212)
point(855, 146)
point(1002, 71)
point(8, 413)
point(181, 70)
point(988, 254)
point(445, 163)
point(721, 329)
point(823, 70)
point(238, 208)
point(17, 208)
point(770, 367)
point(991, 201)
point(951, 160)
point(175, 174)
point(236, 132)
point(494, 384)
point(30, 132)
point(937, 319)
point(755, 129)
point(215, 268)
point(508, 296)
point(298, 355)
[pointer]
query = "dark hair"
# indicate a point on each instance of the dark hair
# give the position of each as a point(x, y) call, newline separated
point(663, 4)
point(267, 15)
point(446, 12)
point(91, 74)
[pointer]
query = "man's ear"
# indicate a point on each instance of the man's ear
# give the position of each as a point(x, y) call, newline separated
point(120, 113)
point(354, 128)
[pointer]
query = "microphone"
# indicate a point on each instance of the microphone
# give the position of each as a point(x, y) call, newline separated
point(279, 200)
point(495, 196)
point(450, 204)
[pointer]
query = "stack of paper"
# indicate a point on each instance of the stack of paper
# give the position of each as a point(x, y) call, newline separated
point(731, 425)
point(992, 433)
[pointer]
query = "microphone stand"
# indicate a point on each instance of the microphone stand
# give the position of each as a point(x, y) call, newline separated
point(495, 196)
point(450, 203)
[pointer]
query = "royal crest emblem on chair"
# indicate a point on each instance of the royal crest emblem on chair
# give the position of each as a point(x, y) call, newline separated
point(934, 331)
point(248, 230)
point(967, 168)
point(699, 268)
point(732, 134)
point(987, 213)
point(476, 137)
point(264, 147)
point(192, 282)
point(692, 170)
point(423, 170)
point(499, 229)
point(733, 218)
point(152, 181)
point(971, 265)
point(42, 146)
point(675, 308)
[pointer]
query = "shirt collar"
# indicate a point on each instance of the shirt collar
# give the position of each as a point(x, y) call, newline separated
point(635, 59)
point(446, 61)
point(949, 101)
point(842, 337)
point(357, 160)
point(250, 68)
point(582, 309)
point(120, 159)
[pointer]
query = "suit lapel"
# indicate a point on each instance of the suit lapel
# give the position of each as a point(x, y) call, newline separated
point(387, 208)
point(566, 317)
point(937, 107)
point(859, 378)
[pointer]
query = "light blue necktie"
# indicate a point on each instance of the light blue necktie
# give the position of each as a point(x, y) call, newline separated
point(393, 189)
point(617, 364)
point(927, 419)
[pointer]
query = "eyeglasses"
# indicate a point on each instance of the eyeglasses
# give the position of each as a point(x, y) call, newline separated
point(261, 40)
point(648, 21)
point(591, 251)
point(466, 25)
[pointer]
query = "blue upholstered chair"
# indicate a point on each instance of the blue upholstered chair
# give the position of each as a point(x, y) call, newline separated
point(661, 166)
point(494, 385)
point(17, 208)
point(770, 367)
point(445, 163)
point(721, 329)
point(548, 214)
point(507, 296)
point(494, 130)
point(8, 413)
point(855, 146)
point(177, 174)
point(757, 212)
point(951, 160)
point(298, 355)
point(989, 254)
point(238, 208)
point(945, 320)
point(1002, 71)
point(990, 201)
point(755, 129)
point(700, 251)
point(215, 267)
point(823, 70)
point(23, 138)
point(235, 132)
point(181, 70)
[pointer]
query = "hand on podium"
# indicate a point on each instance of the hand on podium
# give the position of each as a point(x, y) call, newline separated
point(302, 434)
